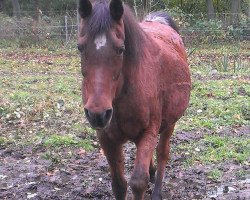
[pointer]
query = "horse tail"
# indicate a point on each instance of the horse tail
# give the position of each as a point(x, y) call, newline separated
point(163, 18)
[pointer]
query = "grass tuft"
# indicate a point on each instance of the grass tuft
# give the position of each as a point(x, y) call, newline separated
point(67, 141)
point(215, 174)
point(2, 141)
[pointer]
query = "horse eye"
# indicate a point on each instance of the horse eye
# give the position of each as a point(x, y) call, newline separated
point(115, 77)
point(80, 47)
point(84, 73)
point(120, 50)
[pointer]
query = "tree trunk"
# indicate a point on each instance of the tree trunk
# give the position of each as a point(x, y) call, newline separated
point(2, 5)
point(146, 6)
point(36, 10)
point(16, 9)
point(210, 10)
point(36, 17)
point(235, 8)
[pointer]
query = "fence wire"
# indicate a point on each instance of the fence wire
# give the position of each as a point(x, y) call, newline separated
point(65, 26)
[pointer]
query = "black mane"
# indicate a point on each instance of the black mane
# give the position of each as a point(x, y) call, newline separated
point(165, 16)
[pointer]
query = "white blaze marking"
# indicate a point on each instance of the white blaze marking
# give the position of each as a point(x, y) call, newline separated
point(100, 41)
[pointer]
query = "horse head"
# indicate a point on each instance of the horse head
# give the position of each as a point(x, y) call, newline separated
point(101, 43)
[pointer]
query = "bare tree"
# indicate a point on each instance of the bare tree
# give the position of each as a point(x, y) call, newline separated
point(135, 8)
point(146, 5)
point(235, 9)
point(16, 9)
point(210, 10)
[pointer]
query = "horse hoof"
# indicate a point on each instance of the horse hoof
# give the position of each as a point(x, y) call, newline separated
point(152, 175)
point(152, 178)
point(156, 197)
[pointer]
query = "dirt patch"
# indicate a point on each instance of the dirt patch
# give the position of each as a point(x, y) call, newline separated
point(25, 174)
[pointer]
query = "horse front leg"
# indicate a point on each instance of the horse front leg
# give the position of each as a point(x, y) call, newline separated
point(140, 176)
point(114, 155)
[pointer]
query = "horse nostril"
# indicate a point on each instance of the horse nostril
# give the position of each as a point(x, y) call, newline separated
point(107, 115)
point(88, 114)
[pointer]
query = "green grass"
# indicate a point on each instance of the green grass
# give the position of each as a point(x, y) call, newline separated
point(215, 149)
point(217, 103)
point(78, 127)
point(215, 174)
point(242, 174)
point(38, 97)
point(2, 141)
point(35, 82)
point(227, 59)
point(220, 148)
point(66, 141)
point(41, 87)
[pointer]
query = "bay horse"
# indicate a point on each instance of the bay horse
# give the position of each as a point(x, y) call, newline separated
point(136, 85)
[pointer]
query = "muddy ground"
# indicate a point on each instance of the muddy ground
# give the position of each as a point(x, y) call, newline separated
point(25, 174)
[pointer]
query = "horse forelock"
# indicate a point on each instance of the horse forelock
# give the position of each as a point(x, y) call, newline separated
point(100, 20)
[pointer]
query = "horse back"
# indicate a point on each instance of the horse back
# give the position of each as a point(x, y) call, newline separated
point(166, 37)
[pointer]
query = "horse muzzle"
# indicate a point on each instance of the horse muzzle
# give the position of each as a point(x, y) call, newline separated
point(99, 120)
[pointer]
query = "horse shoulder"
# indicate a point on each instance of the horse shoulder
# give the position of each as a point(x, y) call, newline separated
point(137, 101)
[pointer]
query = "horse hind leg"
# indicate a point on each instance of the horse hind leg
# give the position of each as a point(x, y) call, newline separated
point(163, 149)
point(152, 170)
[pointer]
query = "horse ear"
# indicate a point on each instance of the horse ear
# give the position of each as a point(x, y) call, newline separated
point(116, 9)
point(85, 8)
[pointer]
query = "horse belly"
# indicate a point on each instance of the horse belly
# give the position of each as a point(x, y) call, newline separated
point(175, 82)
point(176, 100)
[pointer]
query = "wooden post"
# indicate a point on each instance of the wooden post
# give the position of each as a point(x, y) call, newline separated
point(77, 17)
point(66, 28)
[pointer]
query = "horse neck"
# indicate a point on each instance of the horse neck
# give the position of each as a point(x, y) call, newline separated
point(146, 47)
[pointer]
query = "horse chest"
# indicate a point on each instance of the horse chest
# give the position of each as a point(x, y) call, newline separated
point(131, 116)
